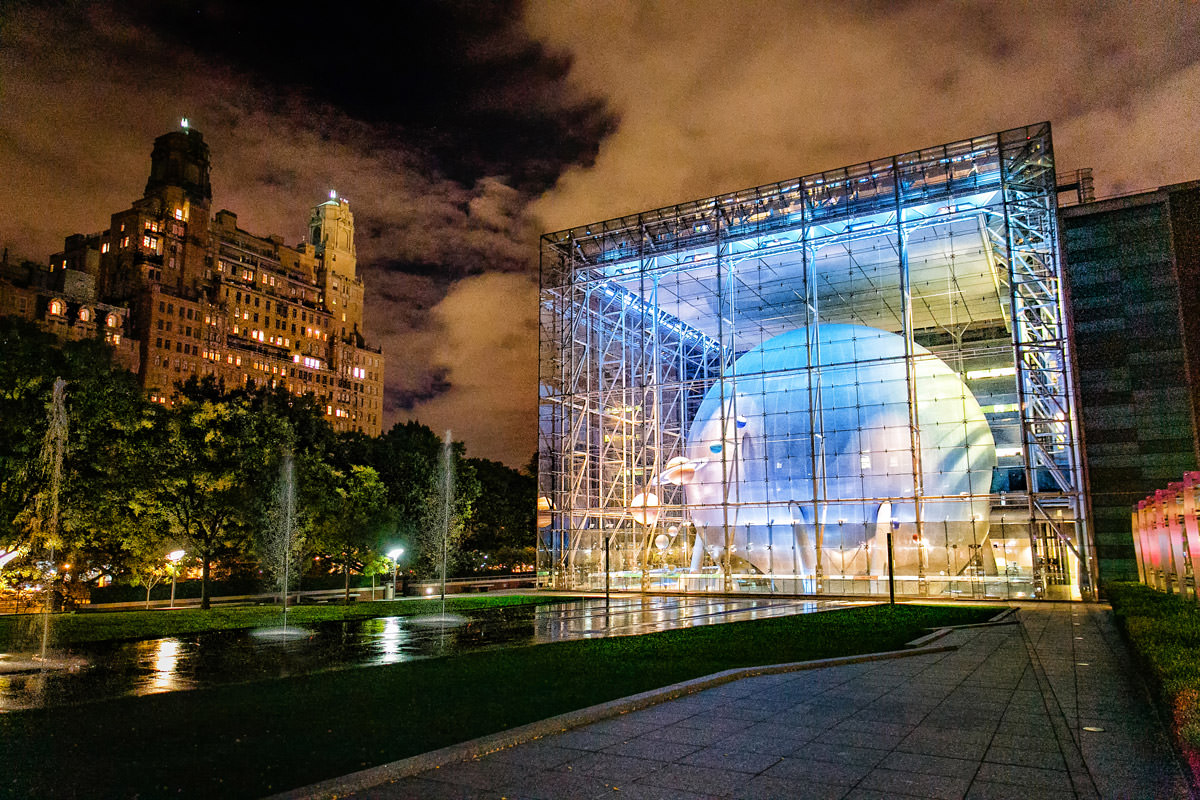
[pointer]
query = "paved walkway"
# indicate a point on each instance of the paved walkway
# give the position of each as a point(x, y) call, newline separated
point(1041, 709)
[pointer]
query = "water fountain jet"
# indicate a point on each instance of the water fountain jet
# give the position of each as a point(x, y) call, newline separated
point(445, 524)
point(281, 545)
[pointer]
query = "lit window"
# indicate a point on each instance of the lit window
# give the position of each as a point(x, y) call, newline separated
point(56, 307)
point(84, 315)
point(113, 321)
point(104, 247)
point(179, 214)
point(997, 372)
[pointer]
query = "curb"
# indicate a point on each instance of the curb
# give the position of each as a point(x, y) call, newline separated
point(385, 773)
point(1005, 617)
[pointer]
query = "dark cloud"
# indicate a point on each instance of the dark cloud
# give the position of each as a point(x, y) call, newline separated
point(461, 81)
point(443, 121)
point(716, 96)
point(439, 122)
point(433, 384)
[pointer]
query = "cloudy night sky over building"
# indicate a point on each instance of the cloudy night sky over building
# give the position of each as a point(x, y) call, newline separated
point(460, 131)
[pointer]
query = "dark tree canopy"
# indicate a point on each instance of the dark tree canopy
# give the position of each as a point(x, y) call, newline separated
point(140, 479)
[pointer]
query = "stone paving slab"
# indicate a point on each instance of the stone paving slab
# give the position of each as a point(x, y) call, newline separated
point(1002, 716)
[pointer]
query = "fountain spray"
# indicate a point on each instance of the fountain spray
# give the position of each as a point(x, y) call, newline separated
point(447, 498)
point(53, 448)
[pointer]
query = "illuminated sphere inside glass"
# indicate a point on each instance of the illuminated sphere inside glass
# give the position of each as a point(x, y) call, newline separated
point(804, 453)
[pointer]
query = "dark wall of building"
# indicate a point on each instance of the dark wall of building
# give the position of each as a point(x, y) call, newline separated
point(1136, 397)
point(1184, 206)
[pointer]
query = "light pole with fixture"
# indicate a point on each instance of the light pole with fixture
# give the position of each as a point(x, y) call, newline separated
point(394, 555)
point(174, 557)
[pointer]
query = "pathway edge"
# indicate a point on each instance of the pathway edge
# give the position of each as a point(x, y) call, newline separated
point(334, 788)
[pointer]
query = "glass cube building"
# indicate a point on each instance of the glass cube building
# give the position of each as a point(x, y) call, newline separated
point(844, 384)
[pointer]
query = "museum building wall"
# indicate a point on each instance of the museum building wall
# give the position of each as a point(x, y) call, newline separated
point(783, 389)
point(1134, 263)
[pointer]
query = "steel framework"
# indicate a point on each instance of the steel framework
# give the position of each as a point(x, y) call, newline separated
point(953, 249)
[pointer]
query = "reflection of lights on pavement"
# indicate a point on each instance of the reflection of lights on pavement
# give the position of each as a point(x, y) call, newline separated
point(166, 656)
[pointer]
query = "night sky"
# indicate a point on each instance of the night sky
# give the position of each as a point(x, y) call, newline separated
point(459, 131)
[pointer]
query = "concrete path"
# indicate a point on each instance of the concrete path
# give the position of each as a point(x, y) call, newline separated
point(1046, 708)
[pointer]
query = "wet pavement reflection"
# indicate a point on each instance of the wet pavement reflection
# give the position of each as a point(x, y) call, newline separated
point(115, 669)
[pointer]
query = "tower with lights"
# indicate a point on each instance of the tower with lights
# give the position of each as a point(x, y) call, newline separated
point(206, 298)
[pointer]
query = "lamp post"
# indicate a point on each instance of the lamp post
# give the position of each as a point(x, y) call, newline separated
point(394, 555)
point(174, 557)
point(607, 541)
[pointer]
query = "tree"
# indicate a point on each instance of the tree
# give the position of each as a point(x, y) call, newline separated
point(104, 462)
point(213, 457)
point(352, 518)
point(503, 519)
point(148, 564)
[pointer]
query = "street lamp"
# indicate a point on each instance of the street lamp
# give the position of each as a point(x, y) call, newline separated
point(174, 557)
point(394, 555)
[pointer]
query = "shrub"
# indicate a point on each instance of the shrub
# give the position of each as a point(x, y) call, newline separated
point(1164, 632)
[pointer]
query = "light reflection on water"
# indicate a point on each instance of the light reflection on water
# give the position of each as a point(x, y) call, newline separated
point(391, 641)
point(173, 664)
point(166, 656)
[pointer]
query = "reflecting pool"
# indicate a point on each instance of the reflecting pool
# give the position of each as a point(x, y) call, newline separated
point(114, 669)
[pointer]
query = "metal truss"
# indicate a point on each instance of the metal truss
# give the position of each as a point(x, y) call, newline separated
point(625, 363)
point(1040, 339)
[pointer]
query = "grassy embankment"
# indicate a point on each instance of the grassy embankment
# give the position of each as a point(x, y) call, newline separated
point(24, 631)
point(253, 739)
point(1164, 631)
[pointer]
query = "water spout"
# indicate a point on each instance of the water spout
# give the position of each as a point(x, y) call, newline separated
point(444, 527)
point(447, 504)
point(287, 523)
point(280, 542)
point(53, 448)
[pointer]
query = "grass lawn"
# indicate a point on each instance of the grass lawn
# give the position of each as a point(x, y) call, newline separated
point(24, 631)
point(253, 739)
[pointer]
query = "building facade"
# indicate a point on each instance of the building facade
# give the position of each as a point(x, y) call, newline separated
point(801, 387)
point(205, 298)
point(1134, 267)
point(63, 300)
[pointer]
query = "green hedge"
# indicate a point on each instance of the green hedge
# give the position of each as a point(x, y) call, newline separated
point(1164, 631)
